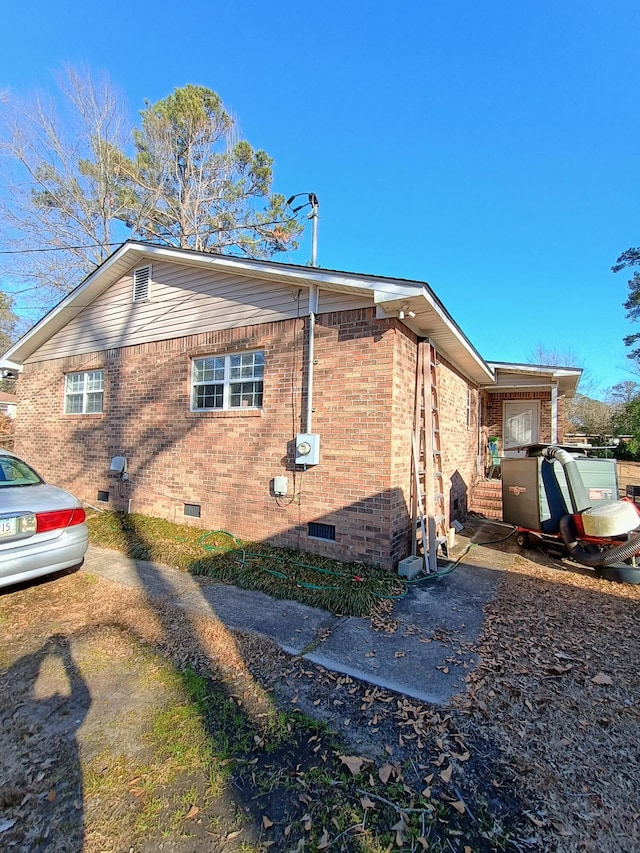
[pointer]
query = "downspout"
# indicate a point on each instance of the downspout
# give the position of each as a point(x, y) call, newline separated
point(554, 413)
point(314, 294)
point(313, 310)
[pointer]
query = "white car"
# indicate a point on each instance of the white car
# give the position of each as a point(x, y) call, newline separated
point(42, 527)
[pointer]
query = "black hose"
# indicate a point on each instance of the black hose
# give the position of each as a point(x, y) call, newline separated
point(603, 558)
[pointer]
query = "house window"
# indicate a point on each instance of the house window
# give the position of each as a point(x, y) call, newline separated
point(84, 392)
point(141, 283)
point(227, 382)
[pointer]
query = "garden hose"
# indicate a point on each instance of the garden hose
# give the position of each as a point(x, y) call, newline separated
point(449, 569)
point(249, 557)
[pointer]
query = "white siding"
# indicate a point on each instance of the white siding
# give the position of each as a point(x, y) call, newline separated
point(185, 300)
point(330, 301)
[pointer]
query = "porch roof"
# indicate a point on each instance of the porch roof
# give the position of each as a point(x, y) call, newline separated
point(510, 376)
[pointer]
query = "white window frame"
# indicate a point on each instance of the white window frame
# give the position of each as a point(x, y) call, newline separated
point(226, 379)
point(147, 293)
point(91, 385)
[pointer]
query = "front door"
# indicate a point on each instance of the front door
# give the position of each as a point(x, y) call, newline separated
point(520, 426)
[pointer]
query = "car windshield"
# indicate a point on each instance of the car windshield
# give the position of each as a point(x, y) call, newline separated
point(15, 472)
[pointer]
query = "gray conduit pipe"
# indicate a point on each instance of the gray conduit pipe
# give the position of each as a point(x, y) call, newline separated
point(577, 492)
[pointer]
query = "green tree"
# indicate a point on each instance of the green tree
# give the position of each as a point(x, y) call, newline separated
point(628, 260)
point(626, 421)
point(8, 322)
point(77, 180)
point(193, 183)
point(9, 326)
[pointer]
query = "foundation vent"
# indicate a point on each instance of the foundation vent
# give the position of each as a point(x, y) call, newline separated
point(321, 531)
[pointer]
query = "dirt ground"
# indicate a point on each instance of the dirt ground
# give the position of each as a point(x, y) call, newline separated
point(101, 751)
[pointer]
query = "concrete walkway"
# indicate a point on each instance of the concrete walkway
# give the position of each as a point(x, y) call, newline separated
point(424, 651)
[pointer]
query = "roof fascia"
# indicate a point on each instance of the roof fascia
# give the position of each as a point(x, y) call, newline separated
point(385, 291)
point(565, 378)
point(392, 301)
point(60, 314)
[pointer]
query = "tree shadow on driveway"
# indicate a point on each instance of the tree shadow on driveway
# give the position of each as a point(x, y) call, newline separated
point(43, 702)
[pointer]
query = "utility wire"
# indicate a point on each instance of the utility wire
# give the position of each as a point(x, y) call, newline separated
point(256, 225)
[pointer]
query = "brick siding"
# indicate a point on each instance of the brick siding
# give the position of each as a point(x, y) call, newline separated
point(459, 422)
point(225, 461)
point(364, 386)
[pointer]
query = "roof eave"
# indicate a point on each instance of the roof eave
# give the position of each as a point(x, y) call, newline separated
point(432, 320)
point(390, 295)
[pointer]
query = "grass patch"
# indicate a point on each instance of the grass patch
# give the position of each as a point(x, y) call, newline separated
point(354, 589)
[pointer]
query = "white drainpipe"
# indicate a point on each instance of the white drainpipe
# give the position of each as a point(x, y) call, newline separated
point(554, 414)
point(313, 310)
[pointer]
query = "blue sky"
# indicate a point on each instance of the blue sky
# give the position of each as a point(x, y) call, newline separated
point(489, 149)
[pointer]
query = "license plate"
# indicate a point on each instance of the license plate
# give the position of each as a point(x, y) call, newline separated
point(8, 527)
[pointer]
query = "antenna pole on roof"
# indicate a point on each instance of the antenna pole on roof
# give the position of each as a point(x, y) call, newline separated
point(313, 216)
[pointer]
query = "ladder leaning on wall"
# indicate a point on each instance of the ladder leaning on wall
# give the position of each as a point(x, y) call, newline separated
point(427, 485)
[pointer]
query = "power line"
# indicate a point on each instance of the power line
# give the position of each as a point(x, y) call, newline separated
point(250, 225)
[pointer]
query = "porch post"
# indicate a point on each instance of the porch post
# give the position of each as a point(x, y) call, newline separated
point(554, 413)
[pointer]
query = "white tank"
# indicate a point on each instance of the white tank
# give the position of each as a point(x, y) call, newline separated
point(613, 519)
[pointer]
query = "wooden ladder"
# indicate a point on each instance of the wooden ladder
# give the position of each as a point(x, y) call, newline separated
point(429, 532)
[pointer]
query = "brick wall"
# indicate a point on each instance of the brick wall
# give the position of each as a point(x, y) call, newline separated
point(459, 421)
point(225, 461)
point(493, 410)
point(402, 425)
point(492, 414)
point(364, 386)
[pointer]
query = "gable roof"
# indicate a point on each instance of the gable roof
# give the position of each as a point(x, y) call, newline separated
point(392, 296)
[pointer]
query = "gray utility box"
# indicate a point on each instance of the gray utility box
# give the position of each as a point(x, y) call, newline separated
point(535, 494)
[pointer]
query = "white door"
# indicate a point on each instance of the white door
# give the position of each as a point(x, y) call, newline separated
point(520, 426)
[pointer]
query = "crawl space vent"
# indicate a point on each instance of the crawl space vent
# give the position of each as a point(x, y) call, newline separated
point(141, 283)
point(103, 496)
point(322, 531)
point(192, 510)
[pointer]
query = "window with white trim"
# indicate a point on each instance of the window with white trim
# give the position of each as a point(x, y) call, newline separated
point(84, 392)
point(227, 381)
point(142, 283)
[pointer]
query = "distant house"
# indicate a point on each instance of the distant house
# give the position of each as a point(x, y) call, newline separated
point(275, 401)
point(8, 404)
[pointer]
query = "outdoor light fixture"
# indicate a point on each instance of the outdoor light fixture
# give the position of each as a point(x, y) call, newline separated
point(404, 311)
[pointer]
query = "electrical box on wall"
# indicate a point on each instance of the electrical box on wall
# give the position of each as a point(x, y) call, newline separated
point(280, 486)
point(118, 464)
point(307, 448)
